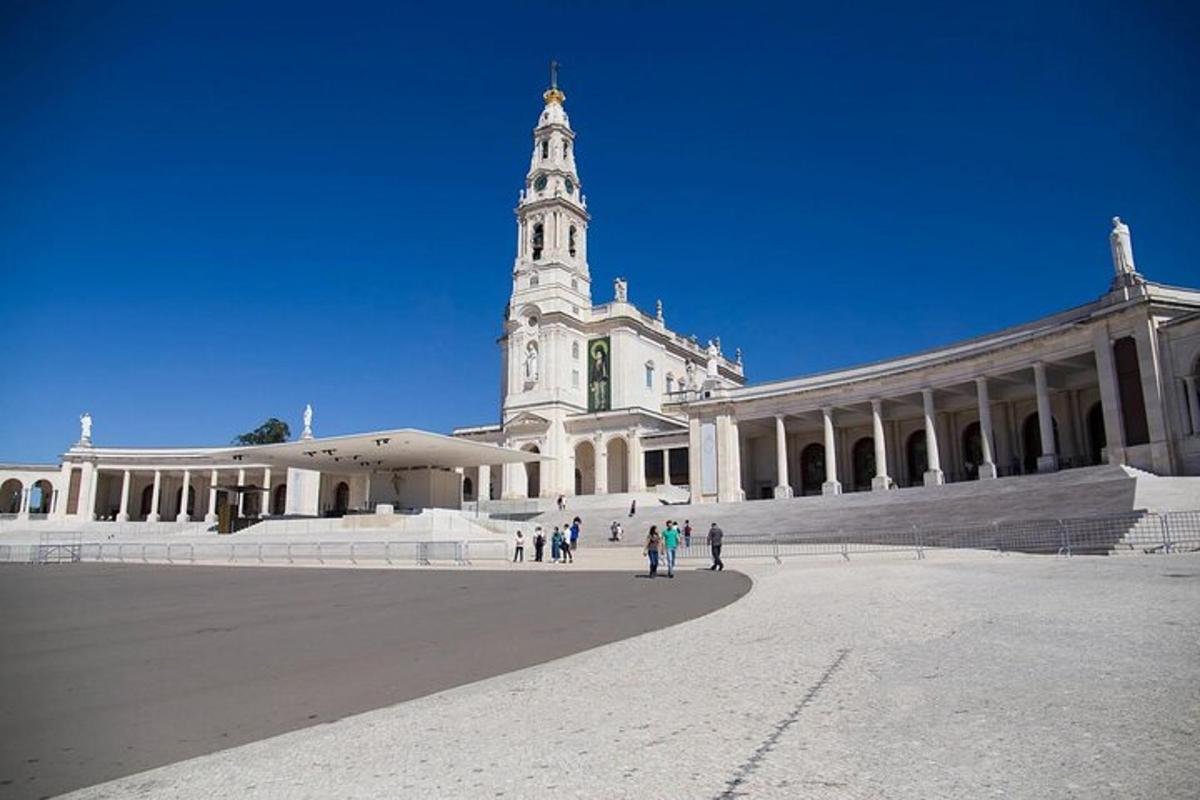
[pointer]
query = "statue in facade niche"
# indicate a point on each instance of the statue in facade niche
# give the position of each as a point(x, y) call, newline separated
point(737, 354)
point(85, 428)
point(658, 314)
point(691, 374)
point(1122, 248)
point(531, 362)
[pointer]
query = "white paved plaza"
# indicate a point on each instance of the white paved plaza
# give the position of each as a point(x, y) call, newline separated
point(964, 675)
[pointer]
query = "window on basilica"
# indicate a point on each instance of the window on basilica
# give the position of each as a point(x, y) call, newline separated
point(575, 350)
point(649, 374)
point(538, 240)
point(545, 148)
point(571, 240)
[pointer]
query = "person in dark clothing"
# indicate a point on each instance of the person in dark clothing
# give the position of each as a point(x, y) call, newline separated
point(687, 533)
point(715, 536)
point(539, 543)
point(633, 507)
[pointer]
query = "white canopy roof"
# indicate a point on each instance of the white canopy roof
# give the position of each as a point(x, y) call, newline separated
point(403, 447)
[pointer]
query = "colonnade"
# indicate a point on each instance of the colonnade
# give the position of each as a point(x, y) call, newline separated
point(192, 483)
point(934, 475)
point(929, 404)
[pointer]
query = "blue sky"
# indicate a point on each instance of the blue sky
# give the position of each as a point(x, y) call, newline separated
point(216, 212)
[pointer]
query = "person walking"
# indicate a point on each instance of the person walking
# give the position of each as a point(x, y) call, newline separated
point(612, 532)
point(633, 507)
point(715, 536)
point(519, 548)
point(575, 524)
point(556, 542)
point(567, 556)
point(620, 531)
point(687, 533)
point(653, 543)
point(539, 543)
point(670, 541)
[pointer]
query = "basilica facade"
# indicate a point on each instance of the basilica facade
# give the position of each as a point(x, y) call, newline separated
point(582, 384)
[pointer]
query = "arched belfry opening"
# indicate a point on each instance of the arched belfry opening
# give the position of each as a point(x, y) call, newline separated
point(539, 240)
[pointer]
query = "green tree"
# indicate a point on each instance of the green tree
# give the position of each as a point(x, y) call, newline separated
point(270, 432)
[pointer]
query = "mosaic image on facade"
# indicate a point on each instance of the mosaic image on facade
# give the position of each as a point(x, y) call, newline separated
point(599, 388)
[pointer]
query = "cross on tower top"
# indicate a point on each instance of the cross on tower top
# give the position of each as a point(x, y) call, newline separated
point(554, 65)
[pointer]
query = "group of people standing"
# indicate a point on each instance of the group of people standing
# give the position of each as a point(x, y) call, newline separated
point(563, 543)
point(660, 546)
point(665, 545)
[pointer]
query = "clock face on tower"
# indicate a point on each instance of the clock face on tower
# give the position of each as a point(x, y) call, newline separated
point(540, 183)
point(570, 187)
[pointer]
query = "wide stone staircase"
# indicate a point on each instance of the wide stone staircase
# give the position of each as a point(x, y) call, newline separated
point(1034, 513)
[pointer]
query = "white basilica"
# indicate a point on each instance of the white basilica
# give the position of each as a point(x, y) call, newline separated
point(607, 399)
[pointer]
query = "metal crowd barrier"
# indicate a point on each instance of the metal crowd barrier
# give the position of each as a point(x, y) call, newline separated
point(358, 552)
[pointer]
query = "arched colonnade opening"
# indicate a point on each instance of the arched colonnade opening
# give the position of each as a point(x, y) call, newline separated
point(585, 468)
point(533, 473)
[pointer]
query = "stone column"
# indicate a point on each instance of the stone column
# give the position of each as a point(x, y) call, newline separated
point(123, 515)
point(988, 468)
point(210, 515)
point(184, 497)
point(831, 485)
point(516, 484)
point(601, 481)
point(637, 462)
point(735, 452)
point(729, 479)
point(1145, 335)
point(881, 481)
point(695, 465)
point(153, 516)
point(241, 500)
point(666, 466)
point(783, 487)
point(23, 504)
point(933, 459)
point(1193, 403)
point(1110, 397)
point(92, 474)
point(483, 487)
point(264, 503)
point(1048, 461)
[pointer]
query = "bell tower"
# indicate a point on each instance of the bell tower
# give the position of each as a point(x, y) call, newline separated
point(551, 268)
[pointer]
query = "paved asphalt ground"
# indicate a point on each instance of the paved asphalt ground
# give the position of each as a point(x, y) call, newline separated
point(109, 670)
point(963, 675)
